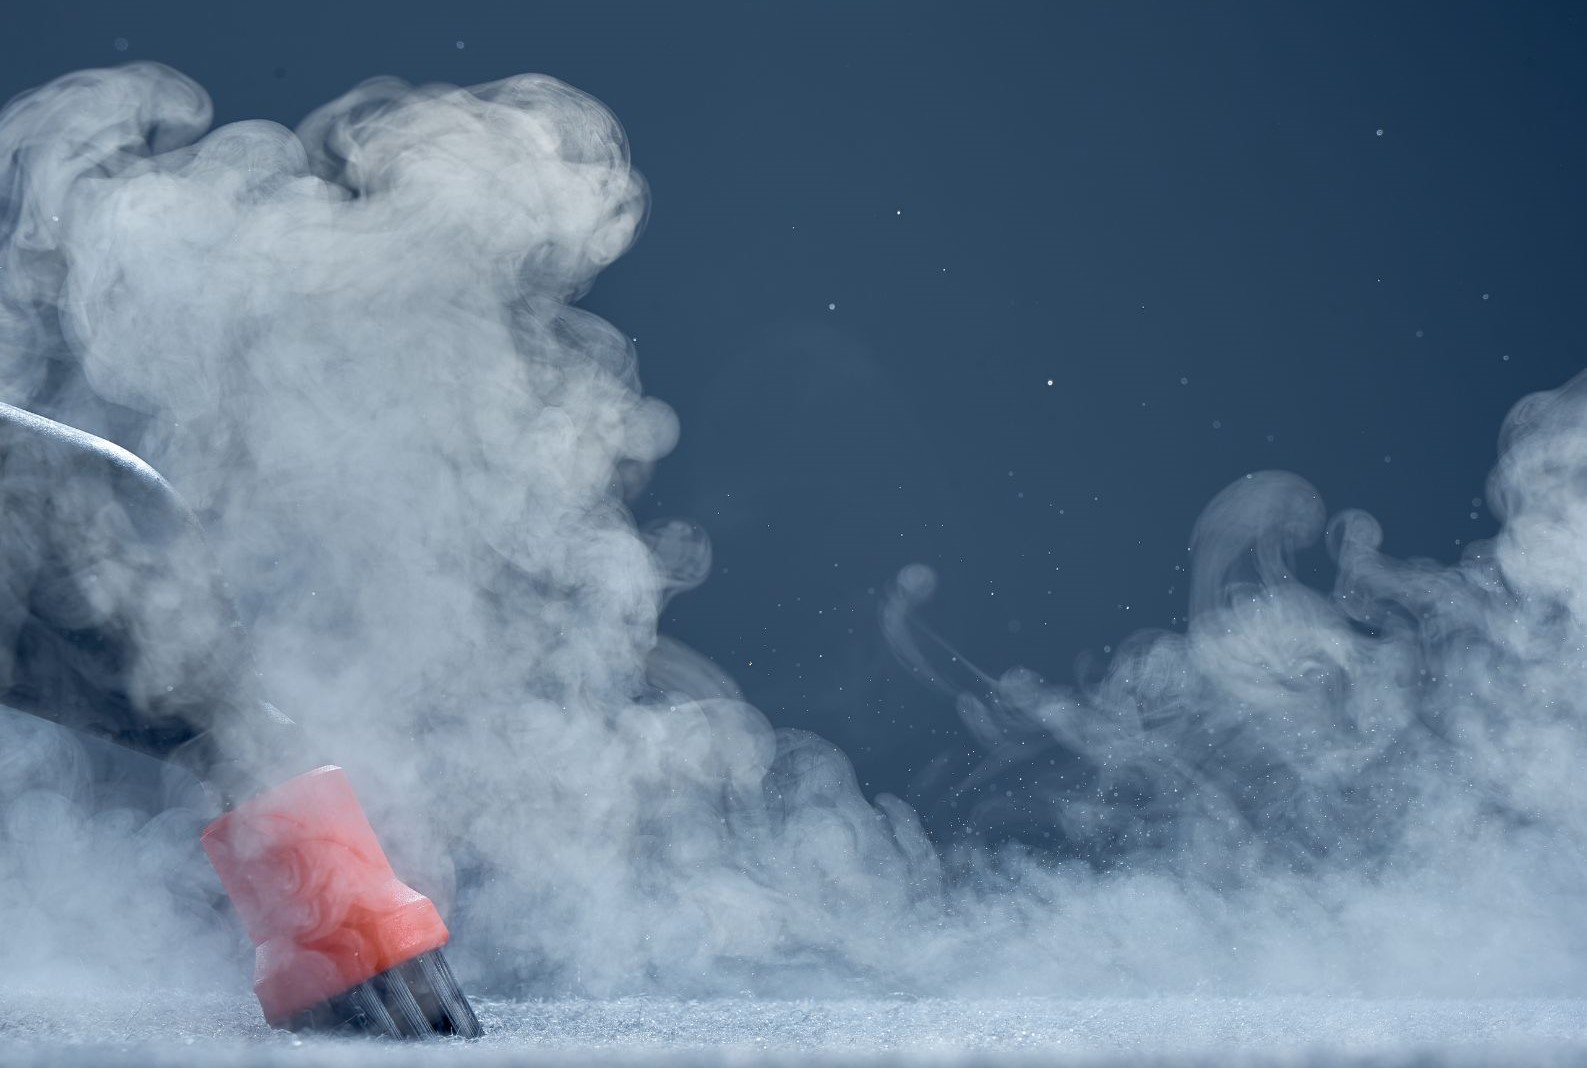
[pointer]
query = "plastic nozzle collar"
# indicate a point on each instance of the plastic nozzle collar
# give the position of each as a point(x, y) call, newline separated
point(316, 893)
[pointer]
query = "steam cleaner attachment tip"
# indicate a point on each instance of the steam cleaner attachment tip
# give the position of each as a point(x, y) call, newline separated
point(343, 945)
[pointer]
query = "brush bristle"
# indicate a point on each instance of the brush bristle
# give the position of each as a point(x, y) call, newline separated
point(419, 998)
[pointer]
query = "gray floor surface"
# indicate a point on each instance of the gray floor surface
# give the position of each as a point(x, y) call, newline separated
point(153, 1028)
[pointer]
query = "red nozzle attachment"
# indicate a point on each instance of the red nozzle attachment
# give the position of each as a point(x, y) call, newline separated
point(316, 892)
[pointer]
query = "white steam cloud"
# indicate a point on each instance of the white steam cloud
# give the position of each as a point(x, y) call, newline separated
point(353, 349)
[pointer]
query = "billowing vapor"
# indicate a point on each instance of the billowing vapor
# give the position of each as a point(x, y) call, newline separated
point(354, 349)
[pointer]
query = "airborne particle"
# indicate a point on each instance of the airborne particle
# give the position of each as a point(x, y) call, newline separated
point(832, 307)
point(120, 44)
point(460, 46)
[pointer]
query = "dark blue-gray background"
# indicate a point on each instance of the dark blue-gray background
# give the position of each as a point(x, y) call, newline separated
point(1009, 289)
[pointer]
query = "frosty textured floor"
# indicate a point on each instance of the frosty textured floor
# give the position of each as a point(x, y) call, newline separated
point(36, 1029)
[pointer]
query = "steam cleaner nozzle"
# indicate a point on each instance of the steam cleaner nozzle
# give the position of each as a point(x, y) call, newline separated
point(342, 943)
